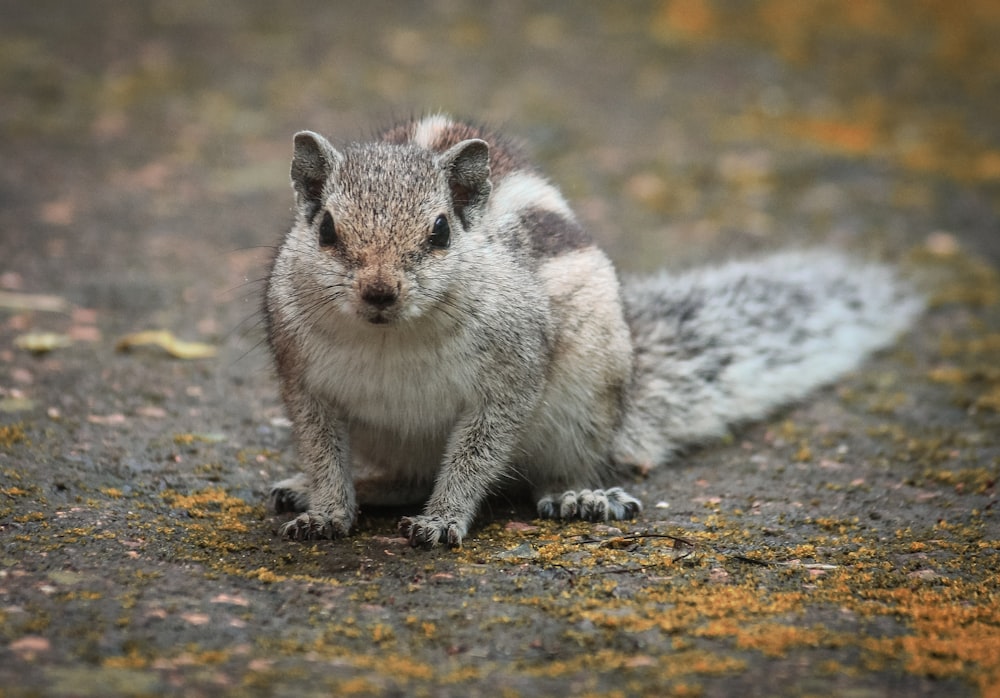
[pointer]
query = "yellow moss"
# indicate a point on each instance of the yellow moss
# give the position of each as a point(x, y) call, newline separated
point(806, 550)
point(223, 515)
point(789, 430)
point(955, 632)
point(393, 665)
point(989, 400)
point(973, 480)
point(82, 596)
point(462, 673)
point(382, 634)
point(245, 456)
point(836, 525)
point(961, 279)
point(683, 18)
point(211, 656)
point(357, 685)
point(347, 630)
point(612, 661)
point(948, 374)
point(30, 516)
point(184, 439)
point(11, 434)
point(834, 668)
point(200, 504)
point(130, 660)
point(772, 639)
point(266, 575)
point(888, 403)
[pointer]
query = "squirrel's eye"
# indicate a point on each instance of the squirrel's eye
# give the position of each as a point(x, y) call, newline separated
point(327, 231)
point(441, 233)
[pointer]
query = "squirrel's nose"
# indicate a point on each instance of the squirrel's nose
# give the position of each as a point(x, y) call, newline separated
point(380, 294)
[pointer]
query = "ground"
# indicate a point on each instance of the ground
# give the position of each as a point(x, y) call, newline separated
point(847, 545)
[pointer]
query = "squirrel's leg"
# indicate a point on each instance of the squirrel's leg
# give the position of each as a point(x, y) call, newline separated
point(325, 491)
point(477, 457)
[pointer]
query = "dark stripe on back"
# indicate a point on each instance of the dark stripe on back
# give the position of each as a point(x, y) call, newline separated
point(552, 234)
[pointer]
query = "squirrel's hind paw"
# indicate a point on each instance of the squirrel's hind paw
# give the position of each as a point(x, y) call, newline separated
point(590, 505)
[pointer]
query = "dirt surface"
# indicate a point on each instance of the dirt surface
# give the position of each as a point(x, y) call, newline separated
point(845, 546)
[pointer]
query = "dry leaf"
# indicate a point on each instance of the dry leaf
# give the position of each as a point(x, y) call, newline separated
point(16, 404)
point(33, 301)
point(42, 342)
point(168, 342)
point(107, 419)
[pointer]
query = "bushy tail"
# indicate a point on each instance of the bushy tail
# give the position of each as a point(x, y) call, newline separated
point(722, 345)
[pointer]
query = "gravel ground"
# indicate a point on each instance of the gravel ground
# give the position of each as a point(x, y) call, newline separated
point(845, 546)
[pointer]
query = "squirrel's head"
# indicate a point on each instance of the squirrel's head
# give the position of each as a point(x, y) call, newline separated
point(379, 227)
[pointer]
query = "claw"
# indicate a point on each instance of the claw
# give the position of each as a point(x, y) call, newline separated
point(590, 505)
point(428, 531)
point(314, 526)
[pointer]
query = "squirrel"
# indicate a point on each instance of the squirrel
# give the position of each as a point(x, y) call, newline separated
point(442, 326)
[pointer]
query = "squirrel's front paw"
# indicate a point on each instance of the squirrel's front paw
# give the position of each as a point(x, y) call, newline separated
point(428, 531)
point(590, 505)
point(314, 525)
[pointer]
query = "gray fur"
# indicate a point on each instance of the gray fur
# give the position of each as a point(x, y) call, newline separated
point(719, 346)
point(415, 372)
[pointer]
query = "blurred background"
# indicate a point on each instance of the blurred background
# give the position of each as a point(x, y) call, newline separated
point(145, 146)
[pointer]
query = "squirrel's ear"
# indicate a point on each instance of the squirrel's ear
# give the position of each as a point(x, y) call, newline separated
point(467, 165)
point(313, 162)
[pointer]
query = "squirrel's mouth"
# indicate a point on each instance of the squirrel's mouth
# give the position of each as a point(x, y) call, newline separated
point(379, 316)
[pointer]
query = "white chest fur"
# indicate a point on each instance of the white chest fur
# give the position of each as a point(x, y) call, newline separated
point(407, 382)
